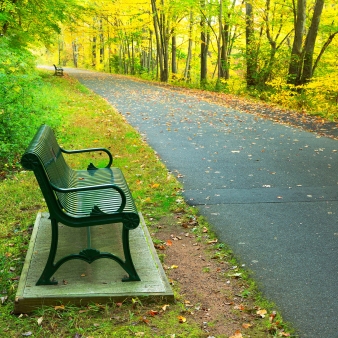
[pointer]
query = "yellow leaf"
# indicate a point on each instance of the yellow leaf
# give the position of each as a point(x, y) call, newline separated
point(237, 334)
point(174, 267)
point(262, 313)
point(155, 185)
point(246, 325)
point(59, 307)
point(164, 307)
point(147, 200)
point(182, 319)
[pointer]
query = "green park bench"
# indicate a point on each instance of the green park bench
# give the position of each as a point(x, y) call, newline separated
point(58, 71)
point(80, 198)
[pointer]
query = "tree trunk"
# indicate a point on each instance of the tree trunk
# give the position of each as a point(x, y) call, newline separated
point(299, 19)
point(187, 65)
point(251, 60)
point(173, 55)
point(326, 44)
point(204, 47)
point(220, 34)
point(162, 41)
point(310, 43)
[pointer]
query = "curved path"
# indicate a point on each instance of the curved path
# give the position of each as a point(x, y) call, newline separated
point(269, 190)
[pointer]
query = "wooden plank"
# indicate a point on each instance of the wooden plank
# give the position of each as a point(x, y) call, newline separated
point(81, 283)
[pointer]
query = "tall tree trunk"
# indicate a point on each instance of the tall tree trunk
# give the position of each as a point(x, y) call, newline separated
point(204, 47)
point(173, 55)
point(251, 59)
point(94, 52)
point(299, 19)
point(75, 53)
point(162, 41)
point(220, 34)
point(310, 43)
point(224, 52)
point(132, 56)
point(187, 65)
point(301, 63)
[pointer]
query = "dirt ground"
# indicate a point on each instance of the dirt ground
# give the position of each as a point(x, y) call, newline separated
point(213, 295)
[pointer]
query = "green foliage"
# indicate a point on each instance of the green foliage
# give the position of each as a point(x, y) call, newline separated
point(23, 102)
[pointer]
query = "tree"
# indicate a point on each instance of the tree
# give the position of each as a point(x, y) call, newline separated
point(30, 21)
point(301, 63)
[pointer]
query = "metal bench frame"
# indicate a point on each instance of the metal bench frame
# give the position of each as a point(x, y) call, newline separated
point(58, 71)
point(80, 198)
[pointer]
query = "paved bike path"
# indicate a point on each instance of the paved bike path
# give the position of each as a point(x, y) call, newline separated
point(268, 190)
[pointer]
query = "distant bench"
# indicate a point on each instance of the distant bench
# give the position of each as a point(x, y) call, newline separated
point(58, 71)
point(80, 198)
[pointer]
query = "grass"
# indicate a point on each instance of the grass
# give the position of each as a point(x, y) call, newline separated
point(86, 121)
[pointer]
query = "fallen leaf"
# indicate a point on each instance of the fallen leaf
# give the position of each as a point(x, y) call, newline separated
point(159, 246)
point(164, 307)
point(182, 319)
point(153, 313)
point(213, 241)
point(261, 313)
point(169, 242)
point(272, 316)
point(240, 307)
point(139, 334)
point(155, 185)
point(174, 267)
point(145, 320)
point(83, 275)
point(237, 334)
point(26, 334)
point(40, 320)
point(59, 307)
point(147, 200)
point(246, 325)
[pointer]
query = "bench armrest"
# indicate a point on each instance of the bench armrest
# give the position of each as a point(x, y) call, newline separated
point(94, 187)
point(91, 150)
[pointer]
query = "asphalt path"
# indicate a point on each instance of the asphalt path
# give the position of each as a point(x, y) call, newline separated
point(269, 190)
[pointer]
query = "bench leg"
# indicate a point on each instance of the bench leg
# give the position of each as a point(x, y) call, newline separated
point(50, 268)
point(128, 264)
point(88, 255)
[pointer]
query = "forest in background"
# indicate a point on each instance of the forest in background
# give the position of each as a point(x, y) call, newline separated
point(280, 51)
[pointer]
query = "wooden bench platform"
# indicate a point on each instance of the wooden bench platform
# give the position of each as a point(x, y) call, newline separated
point(81, 198)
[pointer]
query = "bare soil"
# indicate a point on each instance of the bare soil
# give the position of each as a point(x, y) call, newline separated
point(208, 288)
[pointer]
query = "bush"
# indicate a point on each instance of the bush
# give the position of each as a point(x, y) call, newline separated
point(22, 106)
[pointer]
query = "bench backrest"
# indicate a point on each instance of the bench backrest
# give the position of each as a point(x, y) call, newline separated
point(45, 158)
